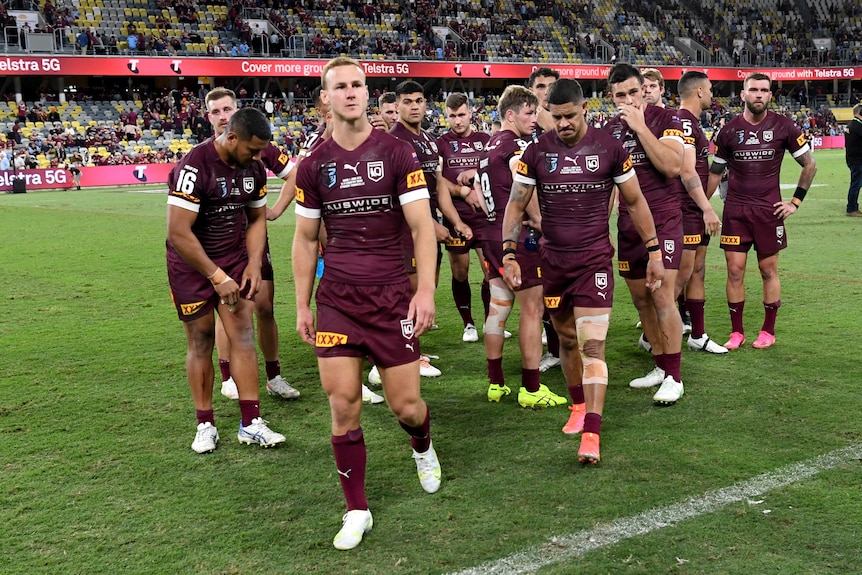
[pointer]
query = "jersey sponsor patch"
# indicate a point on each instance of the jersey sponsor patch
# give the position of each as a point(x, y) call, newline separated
point(456, 243)
point(283, 159)
point(691, 239)
point(416, 179)
point(521, 168)
point(672, 133)
point(552, 302)
point(192, 308)
point(628, 164)
point(730, 240)
point(623, 266)
point(329, 339)
point(300, 194)
point(801, 140)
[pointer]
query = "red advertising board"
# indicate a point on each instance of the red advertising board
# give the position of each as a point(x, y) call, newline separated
point(267, 67)
point(59, 178)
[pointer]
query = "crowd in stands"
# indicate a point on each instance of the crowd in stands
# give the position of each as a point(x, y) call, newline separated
point(41, 137)
point(730, 30)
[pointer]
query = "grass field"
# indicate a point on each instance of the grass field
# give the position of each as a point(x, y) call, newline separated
point(96, 419)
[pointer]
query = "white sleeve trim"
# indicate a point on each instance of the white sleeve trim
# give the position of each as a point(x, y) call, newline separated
point(412, 196)
point(624, 177)
point(521, 179)
point(307, 212)
point(716, 159)
point(801, 151)
point(674, 138)
point(283, 174)
point(258, 203)
point(185, 204)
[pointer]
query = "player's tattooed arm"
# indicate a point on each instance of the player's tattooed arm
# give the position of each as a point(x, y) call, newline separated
point(519, 198)
point(809, 169)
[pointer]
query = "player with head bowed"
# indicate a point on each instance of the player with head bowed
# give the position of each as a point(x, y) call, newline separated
point(215, 247)
point(365, 186)
point(573, 171)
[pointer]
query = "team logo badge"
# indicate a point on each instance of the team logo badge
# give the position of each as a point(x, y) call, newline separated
point(454, 146)
point(407, 328)
point(375, 171)
point(779, 233)
point(223, 185)
point(478, 146)
point(330, 174)
point(740, 137)
point(767, 135)
point(669, 246)
point(592, 163)
point(434, 147)
point(551, 163)
point(248, 185)
point(601, 280)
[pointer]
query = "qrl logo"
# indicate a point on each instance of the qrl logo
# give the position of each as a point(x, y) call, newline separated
point(133, 66)
point(175, 66)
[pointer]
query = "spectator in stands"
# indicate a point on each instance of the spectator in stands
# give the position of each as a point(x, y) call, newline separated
point(82, 41)
point(5, 164)
point(132, 40)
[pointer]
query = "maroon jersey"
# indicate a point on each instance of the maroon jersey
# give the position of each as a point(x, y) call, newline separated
point(276, 161)
point(575, 186)
point(495, 177)
point(661, 192)
point(457, 155)
point(358, 194)
point(695, 138)
point(219, 194)
point(753, 156)
point(429, 156)
point(312, 139)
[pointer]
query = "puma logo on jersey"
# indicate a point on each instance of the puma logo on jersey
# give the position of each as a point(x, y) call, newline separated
point(354, 168)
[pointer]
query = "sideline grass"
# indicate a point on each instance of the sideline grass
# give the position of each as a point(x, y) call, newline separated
point(96, 422)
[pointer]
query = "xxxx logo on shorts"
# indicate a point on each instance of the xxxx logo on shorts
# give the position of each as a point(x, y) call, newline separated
point(192, 308)
point(329, 339)
point(691, 239)
point(730, 240)
point(623, 266)
point(552, 302)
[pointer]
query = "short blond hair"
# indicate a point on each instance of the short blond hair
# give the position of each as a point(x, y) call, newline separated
point(218, 94)
point(337, 63)
point(653, 75)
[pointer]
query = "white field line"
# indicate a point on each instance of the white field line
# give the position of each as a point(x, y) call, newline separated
point(576, 544)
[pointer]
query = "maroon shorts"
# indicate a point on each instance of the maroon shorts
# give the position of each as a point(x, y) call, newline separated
point(578, 279)
point(743, 226)
point(693, 231)
point(530, 262)
point(633, 256)
point(365, 321)
point(192, 293)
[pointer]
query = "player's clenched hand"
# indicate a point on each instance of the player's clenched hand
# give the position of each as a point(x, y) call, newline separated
point(512, 273)
point(305, 325)
point(654, 274)
point(441, 232)
point(633, 116)
point(421, 311)
point(464, 231)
